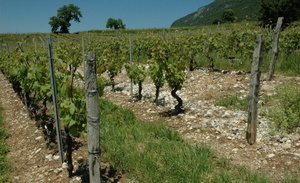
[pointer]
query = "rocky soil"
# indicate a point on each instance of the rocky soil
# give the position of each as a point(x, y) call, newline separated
point(32, 161)
point(221, 128)
point(202, 123)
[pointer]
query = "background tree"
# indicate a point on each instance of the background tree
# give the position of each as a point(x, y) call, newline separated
point(115, 23)
point(228, 15)
point(64, 15)
point(270, 10)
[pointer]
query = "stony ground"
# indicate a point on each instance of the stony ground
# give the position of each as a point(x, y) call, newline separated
point(202, 123)
point(222, 129)
point(32, 161)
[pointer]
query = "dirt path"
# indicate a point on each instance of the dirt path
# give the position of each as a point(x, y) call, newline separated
point(32, 161)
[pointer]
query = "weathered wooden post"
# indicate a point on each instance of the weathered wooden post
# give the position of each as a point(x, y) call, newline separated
point(254, 90)
point(275, 50)
point(93, 118)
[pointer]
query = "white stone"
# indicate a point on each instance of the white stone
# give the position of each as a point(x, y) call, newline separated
point(55, 157)
point(49, 157)
point(228, 114)
point(38, 150)
point(271, 155)
point(235, 150)
point(209, 113)
point(286, 146)
point(39, 138)
point(64, 165)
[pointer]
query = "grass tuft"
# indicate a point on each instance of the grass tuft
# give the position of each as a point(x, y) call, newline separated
point(235, 101)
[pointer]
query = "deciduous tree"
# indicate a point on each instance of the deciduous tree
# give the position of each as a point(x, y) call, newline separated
point(115, 23)
point(270, 10)
point(65, 14)
point(228, 15)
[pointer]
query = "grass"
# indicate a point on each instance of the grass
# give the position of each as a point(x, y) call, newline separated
point(284, 110)
point(235, 101)
point(154, 153)
point(4, 163)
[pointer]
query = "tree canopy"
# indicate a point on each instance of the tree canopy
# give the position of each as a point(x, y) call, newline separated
point(65, 14)
point(115, 23)
point(270, 10)
point(228, 15)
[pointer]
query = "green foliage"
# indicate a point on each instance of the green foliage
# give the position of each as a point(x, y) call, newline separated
point(115, 23)
point(136, 72)
point(5, 167)
point(228, 15)
point(270, 10)
point(113, 57)
point(233, 102)
point(245, 10)
point(285, 112)
point(101, 82)
point(157, 63)
point(65, 14)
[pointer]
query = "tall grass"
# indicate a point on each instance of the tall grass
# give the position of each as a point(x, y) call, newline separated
point(153, 153)
point(4, 163)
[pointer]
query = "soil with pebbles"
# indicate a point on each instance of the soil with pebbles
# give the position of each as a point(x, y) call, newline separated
point(221, 128)
point(31, 158)
point(201, 123)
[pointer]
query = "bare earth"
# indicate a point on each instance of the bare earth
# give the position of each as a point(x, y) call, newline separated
point(202, 123)
point(32, 160)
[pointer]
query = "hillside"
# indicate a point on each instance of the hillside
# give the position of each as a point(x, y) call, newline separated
point(207, 14)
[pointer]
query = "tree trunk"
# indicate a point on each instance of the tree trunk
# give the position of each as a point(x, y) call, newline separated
point(178, 108)
point(192, 64)
point(44, 110)
point(211, 62)
point(112, 81)
point(69, 144)
point(140, 91)
point(156, 95)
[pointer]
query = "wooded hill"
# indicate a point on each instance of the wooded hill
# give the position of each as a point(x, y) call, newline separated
point(244, 10)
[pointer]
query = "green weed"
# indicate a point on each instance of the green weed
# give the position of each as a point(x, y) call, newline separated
point(4, 162)
point(285, 111)
point(236, 101)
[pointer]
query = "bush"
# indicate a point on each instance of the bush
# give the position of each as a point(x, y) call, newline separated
point(285, 111)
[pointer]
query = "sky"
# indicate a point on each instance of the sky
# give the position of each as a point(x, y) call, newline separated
point(28, 16)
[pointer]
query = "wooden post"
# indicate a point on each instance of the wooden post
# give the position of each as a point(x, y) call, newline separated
point(93, 118)
point(54, 98)
point(130, 57)
point(275, 50)
point(254, 90)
